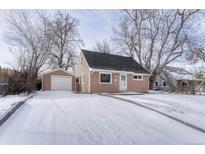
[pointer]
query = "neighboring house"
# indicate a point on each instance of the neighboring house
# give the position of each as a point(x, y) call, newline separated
point(175, 79)
point(58, 80)
point(5, 74)
point(202, 75)
point(107, 73)
point(201, 87)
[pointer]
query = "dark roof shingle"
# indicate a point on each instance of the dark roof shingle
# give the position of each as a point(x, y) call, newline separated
point(106, 61)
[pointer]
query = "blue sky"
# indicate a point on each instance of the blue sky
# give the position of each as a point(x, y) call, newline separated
point(95, 25)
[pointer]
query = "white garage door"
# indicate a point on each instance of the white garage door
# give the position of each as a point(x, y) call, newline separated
point(61, 83)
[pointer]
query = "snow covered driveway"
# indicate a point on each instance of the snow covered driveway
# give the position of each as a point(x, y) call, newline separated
point(189, 108)
point(67, 118)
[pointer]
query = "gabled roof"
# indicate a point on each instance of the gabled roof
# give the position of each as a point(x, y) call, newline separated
point(58, 69)
point(179, 73)
point(106, 61)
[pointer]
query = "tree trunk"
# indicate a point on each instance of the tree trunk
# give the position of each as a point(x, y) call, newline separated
point(152, 79)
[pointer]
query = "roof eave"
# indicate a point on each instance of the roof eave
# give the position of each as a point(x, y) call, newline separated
point(58, 69)
point(118, 71)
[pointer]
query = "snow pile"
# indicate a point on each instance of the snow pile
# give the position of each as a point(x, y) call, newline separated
point(157, 92)
point(190, 108)
point(9, 102)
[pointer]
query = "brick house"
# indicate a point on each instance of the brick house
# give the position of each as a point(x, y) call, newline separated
point(108, 73)
point(99, 72)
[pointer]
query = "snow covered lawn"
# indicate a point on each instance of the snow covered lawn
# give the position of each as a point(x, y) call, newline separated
point(190, 108)
point(9, 102)
point(68, 118)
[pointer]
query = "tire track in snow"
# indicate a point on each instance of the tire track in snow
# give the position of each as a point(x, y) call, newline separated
point(88, 136)
point(84, 138)
point(166, 115)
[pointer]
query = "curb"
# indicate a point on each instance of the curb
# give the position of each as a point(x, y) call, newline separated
point(7, 114)
point(166, 115)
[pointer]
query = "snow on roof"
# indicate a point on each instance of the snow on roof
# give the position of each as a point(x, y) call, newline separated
point(50, 71)
point(179, 73)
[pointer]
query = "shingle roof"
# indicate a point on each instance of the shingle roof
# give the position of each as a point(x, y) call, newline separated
point(179, 73)
point(106, 61)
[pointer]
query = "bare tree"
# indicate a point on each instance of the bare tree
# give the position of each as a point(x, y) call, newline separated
point(103, 47)
point(65, 39)
point(156, 37)
point(196, 54)
point(29, 41)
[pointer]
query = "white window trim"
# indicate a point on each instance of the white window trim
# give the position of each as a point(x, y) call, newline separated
point(105, 82)
point(138, 75)
point(162, 83)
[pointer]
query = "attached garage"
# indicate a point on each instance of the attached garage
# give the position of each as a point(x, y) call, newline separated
point(58, 80)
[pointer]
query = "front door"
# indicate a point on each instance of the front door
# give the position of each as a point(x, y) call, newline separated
point(123, 82)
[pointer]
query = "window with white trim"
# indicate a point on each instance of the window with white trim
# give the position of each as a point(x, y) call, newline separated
point(105, 78)
point(137, 77)
point(164, 83)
